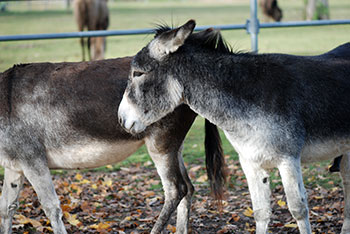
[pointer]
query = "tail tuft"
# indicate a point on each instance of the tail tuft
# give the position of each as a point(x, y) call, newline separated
point(215, 161)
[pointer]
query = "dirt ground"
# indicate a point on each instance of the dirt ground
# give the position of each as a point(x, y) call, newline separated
point(129, 200)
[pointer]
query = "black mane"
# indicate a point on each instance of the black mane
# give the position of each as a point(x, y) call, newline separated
point(161, 28)
point(210, 38)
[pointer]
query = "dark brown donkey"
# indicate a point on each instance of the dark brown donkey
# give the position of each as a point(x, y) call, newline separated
point(64, 115)
point(92, 15)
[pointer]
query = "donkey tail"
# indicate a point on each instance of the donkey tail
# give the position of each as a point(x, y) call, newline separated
point(215, 161)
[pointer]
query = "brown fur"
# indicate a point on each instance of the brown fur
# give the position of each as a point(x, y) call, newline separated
point(67, 103)
point(92, 15)
point(271, 10)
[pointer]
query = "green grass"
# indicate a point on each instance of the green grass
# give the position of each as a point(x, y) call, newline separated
point(135, 14)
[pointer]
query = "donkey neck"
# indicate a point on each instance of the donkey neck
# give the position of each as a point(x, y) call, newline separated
point(228, 88)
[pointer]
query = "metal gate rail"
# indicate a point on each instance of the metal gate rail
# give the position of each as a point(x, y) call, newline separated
point(252, 26)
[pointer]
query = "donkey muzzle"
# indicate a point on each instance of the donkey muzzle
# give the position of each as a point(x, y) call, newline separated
point(128, 118)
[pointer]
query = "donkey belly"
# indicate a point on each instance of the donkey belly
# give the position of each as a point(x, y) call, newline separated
point(91, 154)
point(322, 150)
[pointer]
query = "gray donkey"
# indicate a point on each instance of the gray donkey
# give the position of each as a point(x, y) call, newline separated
point(277, 110)
point(64, 115)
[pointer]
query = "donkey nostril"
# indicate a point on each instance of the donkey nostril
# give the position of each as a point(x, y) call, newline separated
point(121, 121)
point(132, 125)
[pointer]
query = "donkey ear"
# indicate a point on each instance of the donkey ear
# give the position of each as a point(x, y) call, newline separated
point(173, 39)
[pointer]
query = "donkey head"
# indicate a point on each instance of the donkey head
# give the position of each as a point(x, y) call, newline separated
point(152, 92)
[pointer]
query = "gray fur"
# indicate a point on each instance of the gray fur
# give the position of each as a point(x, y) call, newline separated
point(277, 110)
point(64, 116)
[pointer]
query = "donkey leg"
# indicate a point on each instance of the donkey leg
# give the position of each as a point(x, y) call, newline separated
point(292, 179)
point(345, 174)
point(183, 210)
point(259, 188)
point(13, 183)
point(40, 178)
point(174, 185)
point(82, 43)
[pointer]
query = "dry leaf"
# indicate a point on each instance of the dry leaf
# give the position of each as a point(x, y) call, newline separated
point(85, 181)
point(202, 178)
point(78, 176)
point(72, 219)
point(195, 168)
point(171, 228)
point(248, 212)
point(281, 203)
point(24, 220)
point(291, 225)
point(100, 226)
point(108, 182)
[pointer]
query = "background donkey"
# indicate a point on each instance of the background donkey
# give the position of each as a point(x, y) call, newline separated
point(276, 110)
point(270, 9)
point(64, 115)
point(92, 15)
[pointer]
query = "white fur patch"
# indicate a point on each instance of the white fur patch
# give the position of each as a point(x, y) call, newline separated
point(157, 50)
point(162, 164)
point(175, 90)
point(130, 114)
point(253, 150)
point(91, 154)
point(8, 163)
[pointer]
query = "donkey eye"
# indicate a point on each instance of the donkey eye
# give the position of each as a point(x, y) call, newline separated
point(137, 74)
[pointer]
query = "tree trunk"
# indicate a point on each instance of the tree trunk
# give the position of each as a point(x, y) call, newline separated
point(316, 9)
point(68, 4)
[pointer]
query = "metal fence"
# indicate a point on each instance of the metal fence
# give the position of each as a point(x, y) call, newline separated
point(252, 26)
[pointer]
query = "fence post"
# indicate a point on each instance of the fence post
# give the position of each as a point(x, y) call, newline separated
point(252, 25)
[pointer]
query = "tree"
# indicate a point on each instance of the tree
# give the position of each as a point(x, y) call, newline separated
point(316, 9)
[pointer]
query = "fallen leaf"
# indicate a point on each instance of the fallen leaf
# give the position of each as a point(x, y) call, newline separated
point(148, 194)
point(108, 182)
point(24, 220)
point(78, 176)
point(76, 189)
point(128, 218)
point(281, 203)
point(72, 219)
point(171, 228)
point(100, 226)
point(195, 168)
point(66, 207)
point(248, 212)
point(235, 217)
point(85, 181)
point(291, 225)
point(202, 178)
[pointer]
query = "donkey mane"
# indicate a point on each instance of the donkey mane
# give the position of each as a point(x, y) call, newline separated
point(161, 28)
point(210, 39)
